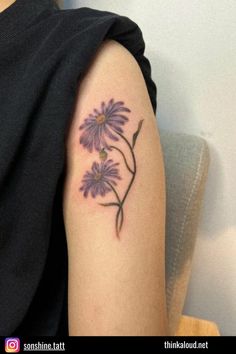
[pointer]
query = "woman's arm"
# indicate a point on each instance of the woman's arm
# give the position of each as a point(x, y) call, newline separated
point(114, 203)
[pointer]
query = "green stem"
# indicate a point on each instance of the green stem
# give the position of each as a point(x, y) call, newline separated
point(131, 181)
point(131, 150)
point(120, 210)
point(123, 155)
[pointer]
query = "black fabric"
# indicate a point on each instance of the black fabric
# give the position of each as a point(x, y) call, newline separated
point(44, 52)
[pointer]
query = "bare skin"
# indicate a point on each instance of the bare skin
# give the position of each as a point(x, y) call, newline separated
point(4, 4)
point(114, 203)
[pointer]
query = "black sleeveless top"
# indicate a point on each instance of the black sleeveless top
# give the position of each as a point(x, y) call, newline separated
point(44, 52)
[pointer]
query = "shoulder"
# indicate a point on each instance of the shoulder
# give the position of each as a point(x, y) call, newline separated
point(113, 67)
point(113, 74)
point(113, 56)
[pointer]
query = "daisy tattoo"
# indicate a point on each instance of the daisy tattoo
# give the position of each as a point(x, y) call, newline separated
point(101, 131)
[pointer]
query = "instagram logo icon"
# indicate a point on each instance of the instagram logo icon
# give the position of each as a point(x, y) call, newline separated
point(12, 345)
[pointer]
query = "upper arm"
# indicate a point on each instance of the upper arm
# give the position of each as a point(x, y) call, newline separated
point(114, 201)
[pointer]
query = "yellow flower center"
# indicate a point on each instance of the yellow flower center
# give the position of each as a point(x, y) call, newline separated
point(98, 176)
point(101, 118)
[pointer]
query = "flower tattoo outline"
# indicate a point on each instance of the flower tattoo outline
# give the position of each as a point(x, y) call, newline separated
point(98, 181)
point(104, 125)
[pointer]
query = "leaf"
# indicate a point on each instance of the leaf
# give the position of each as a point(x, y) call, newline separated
point(109, 204)
point(136, 134)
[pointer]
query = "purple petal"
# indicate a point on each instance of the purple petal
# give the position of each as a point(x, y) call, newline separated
point(119, 117)
point(120, 109)
point(90, 120)
point(93, 193)
point(96, 141)
point(109, 134)
point(114, 107)
point(96, 112)
point(103, 107)
point(115, 127)
point(110, 104)
point(95, 168)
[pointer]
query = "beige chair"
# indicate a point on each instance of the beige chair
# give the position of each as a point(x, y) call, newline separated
point(186, 159)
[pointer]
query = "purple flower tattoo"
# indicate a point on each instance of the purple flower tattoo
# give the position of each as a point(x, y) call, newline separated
point(101, 124)
point(101, 179)
point(98, 128)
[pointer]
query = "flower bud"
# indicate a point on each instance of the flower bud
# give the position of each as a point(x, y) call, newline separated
point(103, 155)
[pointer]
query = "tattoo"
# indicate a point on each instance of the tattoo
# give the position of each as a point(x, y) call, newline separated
point(98, 129)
